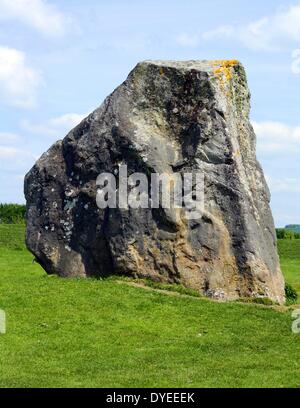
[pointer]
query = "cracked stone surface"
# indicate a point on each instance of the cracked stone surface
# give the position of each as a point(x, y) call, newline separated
point(167, 117)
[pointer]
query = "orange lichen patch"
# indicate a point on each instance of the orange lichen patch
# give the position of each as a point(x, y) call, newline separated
point(227, 63)
point(224, 68)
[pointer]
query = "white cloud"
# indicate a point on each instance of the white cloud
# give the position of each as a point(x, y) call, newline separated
point(8, 138)
point(55, 127)
point(277, 137)
point(18, 82)
point(194, 40)
point(188, 40)
point(8, 152)
point(69, 120)
point(276, 30)
point(14, 162)
point(295, 67)
point(268, 33)
point(38, 14)
point(40, 129)
point(219, 32)
point(283, 185)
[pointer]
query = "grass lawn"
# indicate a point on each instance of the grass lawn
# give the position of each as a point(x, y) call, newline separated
point(89, 333)
point(290, 261)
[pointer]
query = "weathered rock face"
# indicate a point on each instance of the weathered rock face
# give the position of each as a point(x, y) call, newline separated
point(167, 117)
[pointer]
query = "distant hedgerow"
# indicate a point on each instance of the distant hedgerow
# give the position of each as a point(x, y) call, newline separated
point(12, 213)
point(284, 233)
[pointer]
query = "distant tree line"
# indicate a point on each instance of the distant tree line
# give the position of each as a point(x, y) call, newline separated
point(283, 233)
point(12, 214)
point(293, 227)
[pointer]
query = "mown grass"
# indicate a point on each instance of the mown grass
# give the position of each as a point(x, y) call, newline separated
point(91, 333)
point(12, 236)
point(289, 248)
point(289, 251)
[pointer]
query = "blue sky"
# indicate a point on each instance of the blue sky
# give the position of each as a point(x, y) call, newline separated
point(59, 59)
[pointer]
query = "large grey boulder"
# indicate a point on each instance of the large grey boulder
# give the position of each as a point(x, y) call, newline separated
point(167, 117)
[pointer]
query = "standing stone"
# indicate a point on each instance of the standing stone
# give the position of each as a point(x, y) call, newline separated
point(167, 117)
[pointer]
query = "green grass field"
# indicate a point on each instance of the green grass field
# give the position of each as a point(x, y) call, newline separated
point(289, 252)
point(91, 333)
